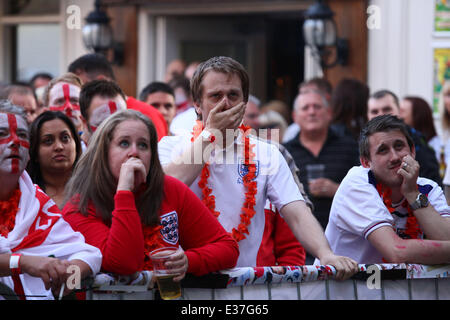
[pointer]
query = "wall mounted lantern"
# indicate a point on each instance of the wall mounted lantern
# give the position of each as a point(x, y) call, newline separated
point(320, 34)
point(98, 34)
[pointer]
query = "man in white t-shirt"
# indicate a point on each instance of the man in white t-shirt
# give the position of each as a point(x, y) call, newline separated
point(383, 209)
point(220, 90)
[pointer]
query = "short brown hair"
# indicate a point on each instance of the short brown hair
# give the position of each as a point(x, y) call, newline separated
point(103, 88)
point(221, 64)
point(383, 123)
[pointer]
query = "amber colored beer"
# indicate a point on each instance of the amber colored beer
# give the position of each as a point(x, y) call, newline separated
point(168, 289)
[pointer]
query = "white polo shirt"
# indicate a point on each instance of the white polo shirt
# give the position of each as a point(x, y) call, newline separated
point(273, 177)
point(182, 123)
point(358, 210)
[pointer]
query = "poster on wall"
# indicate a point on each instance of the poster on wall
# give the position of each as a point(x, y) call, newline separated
point(442, 18)
point(441, 72)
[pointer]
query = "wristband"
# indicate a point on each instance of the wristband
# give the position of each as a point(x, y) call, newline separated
point(207, 135)
point(14, 264)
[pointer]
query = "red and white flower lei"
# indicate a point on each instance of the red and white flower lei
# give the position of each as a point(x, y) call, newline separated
point(152, 241)
point(412, 226)
point(248, 208)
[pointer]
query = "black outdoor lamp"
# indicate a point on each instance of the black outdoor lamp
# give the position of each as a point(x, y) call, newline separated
point(319, 31)
point(98, 34)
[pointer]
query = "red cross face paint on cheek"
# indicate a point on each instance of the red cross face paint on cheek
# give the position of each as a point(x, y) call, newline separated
point(103, 111)
point(14, 143)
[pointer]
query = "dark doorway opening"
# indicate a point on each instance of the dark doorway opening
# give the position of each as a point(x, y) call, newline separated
point(285, 57)
point(269, 45)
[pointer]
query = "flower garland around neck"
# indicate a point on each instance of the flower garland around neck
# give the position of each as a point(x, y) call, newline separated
point(248, 208)
point(152, 241)
point(8, 211)
point(412, 226)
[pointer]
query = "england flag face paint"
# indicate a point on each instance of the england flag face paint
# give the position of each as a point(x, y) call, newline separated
point(102, 108)
point(64, 97)
point(14, 143)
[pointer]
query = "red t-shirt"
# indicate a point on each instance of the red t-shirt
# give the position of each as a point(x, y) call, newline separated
point(152, 113)
point(207, 245)
point(279, 245)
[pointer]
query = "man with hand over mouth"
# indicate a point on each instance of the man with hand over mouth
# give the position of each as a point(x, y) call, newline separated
point(235, 173)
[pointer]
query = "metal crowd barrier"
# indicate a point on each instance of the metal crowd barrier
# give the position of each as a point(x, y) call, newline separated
point(372, 282)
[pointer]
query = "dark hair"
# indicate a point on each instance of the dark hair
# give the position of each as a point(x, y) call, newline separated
point(34, 168)
point(104, 88)
point(422, 117)
point(93, 64)
point(92, 181)
point(383, 123)
point(181, 82)
point(383, 93)
point(43, 75)
point(155, 87)
point(224, 65)
point(349, 104)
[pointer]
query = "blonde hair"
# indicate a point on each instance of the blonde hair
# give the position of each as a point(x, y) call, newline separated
point(278, 106)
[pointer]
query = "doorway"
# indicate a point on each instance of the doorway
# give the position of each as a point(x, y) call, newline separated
point(285, 57)
point(269, 45)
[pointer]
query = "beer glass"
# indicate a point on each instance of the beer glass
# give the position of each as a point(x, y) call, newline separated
point(168, 288)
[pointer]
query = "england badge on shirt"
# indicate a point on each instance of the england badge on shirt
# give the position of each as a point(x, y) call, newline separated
point(169, 230)
point(243, 170)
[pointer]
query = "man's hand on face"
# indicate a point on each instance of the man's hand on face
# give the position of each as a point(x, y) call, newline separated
point(409, 170)
point(221, 119)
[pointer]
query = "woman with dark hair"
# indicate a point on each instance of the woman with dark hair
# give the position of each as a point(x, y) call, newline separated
point(416, 112)
point(122, 203)
point(55, 148)
point(349, 104)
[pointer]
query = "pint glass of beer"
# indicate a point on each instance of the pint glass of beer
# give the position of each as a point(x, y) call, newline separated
point(168, 288)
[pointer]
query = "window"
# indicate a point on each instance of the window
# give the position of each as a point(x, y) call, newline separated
point(36, 53)
point(30, 33)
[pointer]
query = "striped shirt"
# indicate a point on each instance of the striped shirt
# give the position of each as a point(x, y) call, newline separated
point(339, 154)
